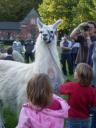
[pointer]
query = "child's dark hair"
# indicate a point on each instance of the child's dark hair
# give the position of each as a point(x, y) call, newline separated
point(9, 50)
point(39, 90)
point(86, 28)
point(92, 22)
point(85, 74)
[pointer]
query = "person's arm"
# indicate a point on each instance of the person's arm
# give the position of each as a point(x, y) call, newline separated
point(74, 34)
point(24, 121)
point(64, 105)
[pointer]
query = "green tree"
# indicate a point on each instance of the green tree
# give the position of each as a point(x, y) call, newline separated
point(72, 12)
point(83, 11)
point(51, 10)
point(93, 10)
point(16, 9)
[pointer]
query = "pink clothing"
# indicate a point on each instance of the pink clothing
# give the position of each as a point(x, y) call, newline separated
point(32, 117)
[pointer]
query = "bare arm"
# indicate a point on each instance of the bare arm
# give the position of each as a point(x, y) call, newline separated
point(76, 31)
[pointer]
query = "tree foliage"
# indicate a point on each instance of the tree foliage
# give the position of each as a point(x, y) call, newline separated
point(72, 12)
point(51, 10)
point(16, 9)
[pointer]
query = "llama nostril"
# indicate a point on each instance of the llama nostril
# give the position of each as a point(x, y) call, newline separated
point(45, 37)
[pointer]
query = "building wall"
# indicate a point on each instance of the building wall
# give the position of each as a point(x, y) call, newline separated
point(28, 30)
point(8, 34)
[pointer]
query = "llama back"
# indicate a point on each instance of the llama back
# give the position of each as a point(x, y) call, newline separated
point(14, 77)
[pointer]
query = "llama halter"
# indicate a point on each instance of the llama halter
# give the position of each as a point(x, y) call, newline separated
point(48, 36)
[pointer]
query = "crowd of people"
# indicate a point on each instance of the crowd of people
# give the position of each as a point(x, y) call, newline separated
point(69, 50)
point(19, 52)
point(79, 47)
point(47, 110)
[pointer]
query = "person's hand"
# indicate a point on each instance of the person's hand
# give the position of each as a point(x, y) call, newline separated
point(87, 34)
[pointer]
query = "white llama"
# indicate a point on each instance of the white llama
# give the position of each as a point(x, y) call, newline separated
point(14, 76)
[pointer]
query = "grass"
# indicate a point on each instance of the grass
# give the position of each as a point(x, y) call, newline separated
point(10, 118)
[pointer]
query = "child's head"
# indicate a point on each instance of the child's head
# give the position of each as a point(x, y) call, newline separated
point(9, 51)
point(83, 74)
point(39, 90)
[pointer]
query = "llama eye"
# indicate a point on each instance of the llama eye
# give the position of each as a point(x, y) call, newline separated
point(51, 31)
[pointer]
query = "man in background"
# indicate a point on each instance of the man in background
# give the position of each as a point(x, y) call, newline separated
point(29, 53)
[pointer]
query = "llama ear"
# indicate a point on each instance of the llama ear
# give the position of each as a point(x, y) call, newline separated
point(55, 25)
point(39, 23)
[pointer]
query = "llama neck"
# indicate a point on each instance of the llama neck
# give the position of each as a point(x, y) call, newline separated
point(44, 53)
point(47, 61)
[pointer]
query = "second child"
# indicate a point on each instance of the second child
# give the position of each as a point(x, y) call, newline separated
point(82, 97)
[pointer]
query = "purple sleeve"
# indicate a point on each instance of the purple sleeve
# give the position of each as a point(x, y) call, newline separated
point(24, 120)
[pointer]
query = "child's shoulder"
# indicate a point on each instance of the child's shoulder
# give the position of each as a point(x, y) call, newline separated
point(27, 105)
point(70, 83)
point(31, 107)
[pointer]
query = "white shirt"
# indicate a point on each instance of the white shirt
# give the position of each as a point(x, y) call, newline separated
point(69, 44)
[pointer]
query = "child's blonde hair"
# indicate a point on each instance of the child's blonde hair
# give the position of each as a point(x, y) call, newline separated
point(39, 90)
point(84, 73)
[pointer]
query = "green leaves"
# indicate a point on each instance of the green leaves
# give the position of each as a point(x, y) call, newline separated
point(72, 12)
point(14, 10)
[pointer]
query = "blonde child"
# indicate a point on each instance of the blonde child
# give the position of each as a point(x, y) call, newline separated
point(82, 97)
point(44, 109)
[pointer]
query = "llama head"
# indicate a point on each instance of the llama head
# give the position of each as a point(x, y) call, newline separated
point(47, 33)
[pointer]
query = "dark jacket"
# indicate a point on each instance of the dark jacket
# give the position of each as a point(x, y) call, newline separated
point(29, 46)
